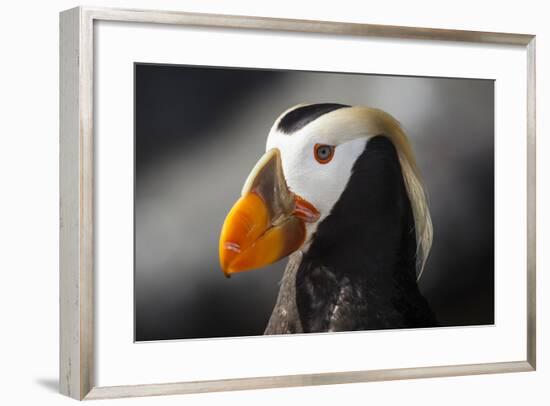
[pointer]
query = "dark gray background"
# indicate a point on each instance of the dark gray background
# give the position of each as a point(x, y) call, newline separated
point(198, 133)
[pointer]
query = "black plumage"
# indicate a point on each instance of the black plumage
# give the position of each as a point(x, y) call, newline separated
point(359, 272)
point(301, 116)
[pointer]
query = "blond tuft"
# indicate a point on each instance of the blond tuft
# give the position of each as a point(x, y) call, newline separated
point(350, 123)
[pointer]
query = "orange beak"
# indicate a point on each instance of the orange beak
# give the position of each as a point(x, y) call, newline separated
point(267, 223)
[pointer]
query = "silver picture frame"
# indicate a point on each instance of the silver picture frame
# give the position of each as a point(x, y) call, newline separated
point(76, 377)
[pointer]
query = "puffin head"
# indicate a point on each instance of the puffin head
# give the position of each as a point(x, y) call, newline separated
point(310, 154)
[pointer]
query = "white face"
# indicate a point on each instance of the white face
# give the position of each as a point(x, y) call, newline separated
point(321, 184)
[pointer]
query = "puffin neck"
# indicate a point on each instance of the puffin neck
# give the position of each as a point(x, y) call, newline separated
point(370, 229)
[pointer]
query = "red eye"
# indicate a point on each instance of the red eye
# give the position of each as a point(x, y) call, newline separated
point(323, 153)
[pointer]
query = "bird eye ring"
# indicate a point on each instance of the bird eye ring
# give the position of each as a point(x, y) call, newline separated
point(323, 153)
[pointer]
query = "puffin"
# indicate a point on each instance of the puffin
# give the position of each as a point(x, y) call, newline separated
point(338, 191)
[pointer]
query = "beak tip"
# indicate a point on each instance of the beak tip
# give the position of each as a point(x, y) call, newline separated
point(226, 259)
point(225, 269)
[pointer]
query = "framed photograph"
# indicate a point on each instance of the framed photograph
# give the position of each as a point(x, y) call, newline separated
point(251, 202)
